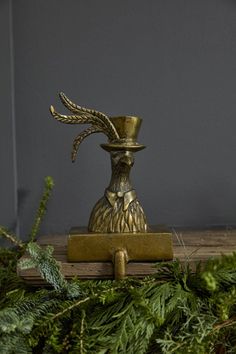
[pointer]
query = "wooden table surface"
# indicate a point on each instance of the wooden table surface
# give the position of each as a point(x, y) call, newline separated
point(189, 246)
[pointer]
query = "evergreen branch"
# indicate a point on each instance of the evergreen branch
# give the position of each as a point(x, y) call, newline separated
point(11, 237)
point(14, 344)
point(82, 333)
point(69, 308)
point(174, 311)
point(87, 299)
point(123, 317)
point(230, 322)
point(48, 186)
point(48, 267)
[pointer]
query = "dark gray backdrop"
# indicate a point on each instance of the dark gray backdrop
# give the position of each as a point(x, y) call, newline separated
point(8, 171)
point(172, 62)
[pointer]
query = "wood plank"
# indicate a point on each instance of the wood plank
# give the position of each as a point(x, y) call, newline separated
point(190, 246)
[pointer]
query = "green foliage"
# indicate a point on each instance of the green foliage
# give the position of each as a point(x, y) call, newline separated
point(48, 186)
point(174, 311)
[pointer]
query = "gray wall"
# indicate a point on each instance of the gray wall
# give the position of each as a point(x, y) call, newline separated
point(171, 62)
point(8, 186)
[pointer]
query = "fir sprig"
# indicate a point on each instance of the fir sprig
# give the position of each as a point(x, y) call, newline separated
point(140, 316)
point(11, 237)
point(174, 311)
point(48, 186)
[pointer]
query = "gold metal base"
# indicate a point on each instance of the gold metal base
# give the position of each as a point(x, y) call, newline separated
point(155, 245)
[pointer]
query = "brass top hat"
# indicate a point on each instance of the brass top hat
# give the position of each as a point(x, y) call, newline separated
point(127, 128)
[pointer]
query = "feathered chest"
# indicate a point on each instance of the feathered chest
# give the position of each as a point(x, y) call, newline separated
point(120, 199)
point(118, 213)
point(119, 209)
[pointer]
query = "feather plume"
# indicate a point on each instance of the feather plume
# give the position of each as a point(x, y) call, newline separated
point(100, 123)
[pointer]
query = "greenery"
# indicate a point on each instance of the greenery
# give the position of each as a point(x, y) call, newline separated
point(174, 311)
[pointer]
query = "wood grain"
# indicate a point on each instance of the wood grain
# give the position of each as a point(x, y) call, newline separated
point(190, 246)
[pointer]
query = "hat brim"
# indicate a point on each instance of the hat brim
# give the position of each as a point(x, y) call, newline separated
point(120, 147)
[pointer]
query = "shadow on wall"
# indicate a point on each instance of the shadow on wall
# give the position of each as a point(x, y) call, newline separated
point(22, 196)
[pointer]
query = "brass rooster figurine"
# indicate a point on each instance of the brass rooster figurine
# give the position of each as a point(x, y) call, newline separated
point(119, 210)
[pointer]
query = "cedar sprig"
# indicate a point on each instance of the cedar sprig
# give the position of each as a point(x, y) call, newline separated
point(175, 311)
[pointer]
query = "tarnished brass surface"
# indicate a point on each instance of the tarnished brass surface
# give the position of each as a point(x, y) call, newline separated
point(117, 230)
point(127, 128)
point(119, 210)
point(120, 260)
point(147, 246)
point(121, 131)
